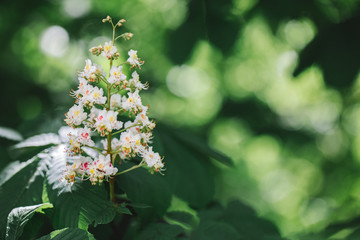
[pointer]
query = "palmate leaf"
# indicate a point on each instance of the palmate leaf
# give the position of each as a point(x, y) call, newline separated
point(82, 206)
point(68, 234)
point(18, 218)
point(78, 205)
point(21, 184)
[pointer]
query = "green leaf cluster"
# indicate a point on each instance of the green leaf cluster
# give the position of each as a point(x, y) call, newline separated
point(178, 205)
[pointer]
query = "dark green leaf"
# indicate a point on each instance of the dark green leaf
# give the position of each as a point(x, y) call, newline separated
point(240, 217)
point(22, 184)
point(106, 216)
point(244, 219)
point(188, 174)
point(18, 218)
point(82, 207)
point(138, 205)
point(213, 230)
point(160, 231)
point(199, 145)
point(39, 225)
point(143, 187)
point(123, 210)
point(77, 205)
point(69, 234)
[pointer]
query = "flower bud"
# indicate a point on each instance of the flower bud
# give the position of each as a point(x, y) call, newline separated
point(120, 22)
point(96, 50)
point(126, 36)
point(93, 50)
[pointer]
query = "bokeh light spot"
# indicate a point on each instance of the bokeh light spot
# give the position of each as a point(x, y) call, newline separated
point(76, 8)
point(54, 41)
point(185, 81)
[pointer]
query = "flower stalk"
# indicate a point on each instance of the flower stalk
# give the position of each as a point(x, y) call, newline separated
point(96, 112)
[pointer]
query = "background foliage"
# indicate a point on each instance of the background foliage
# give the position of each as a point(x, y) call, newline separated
point(274, 85)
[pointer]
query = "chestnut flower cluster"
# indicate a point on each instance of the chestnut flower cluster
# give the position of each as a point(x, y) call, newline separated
point(98, 112)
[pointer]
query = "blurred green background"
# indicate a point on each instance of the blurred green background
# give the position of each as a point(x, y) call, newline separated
point(275, 85)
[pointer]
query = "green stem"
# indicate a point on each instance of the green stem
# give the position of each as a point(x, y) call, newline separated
point(112, 190)
point(96, 148)
point(132, 168)
point(112, 181)
point(122, 130)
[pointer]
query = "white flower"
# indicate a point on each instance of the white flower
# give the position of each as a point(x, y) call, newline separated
point(116, 75)
point(106, 121)
point(133, 102)
point(75, 116)
point(136, 129)
point(104, 165)
point(97, 96)
point(133, 59)
point(75, 146)
point(134, 83)
point(82, 82)
point(77, 168)
point(152, 159)
point(110, 51)
point(78, 139)
point(89, 95)
point(89, 69)
point(143, 119)
point(84, 136)
point(130, 142)
point(101, 168)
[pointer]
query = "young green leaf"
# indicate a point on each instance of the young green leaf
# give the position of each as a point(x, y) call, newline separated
point(10, 134)
point(183, 219)
point(39, 140)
